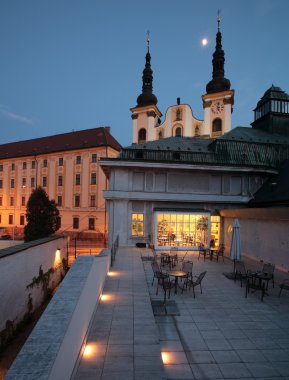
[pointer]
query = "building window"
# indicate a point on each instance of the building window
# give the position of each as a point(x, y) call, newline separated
point(178, 132)
point(160, 135)
point(137, 224)
point(91, 224)
point(1, 183)
point(24, 166)
point(93, 179)
point(59, 200)
point(94, 157)
point(197, 131)
point(12, 183)
point(32, 182)
point(22, 220)
point(92, 201)
point(33, 164)
point(59, 180)
point(23, 182)
point(13, 167)
point(1, 201)
point(77, 201)
point(217, 125)
point(0, 219)
point(44, 181)
point(1, 167)
point(75, 223)
point(77, 179)
point(142, 135)
point(23, 201)
point(59, 221)
point(60, 161)
point(45, 163)
point(10, 219)
point(178, 114)
point(11, 201)
point(78, 160)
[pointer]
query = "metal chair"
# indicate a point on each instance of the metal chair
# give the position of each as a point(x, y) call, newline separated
point(284, 285)
point(203, 251)
point(241, 272)
point(197, 282)
point(219, 252)
point(187, 267)
point(269, 269)
point(158, 274)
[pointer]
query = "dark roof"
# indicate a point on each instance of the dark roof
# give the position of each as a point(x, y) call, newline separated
point(88, 138)
point(242, 147)
point(254, 135)
point(275, 192)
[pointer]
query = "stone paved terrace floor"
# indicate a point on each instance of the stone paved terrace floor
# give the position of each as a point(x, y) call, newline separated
point(218, 335)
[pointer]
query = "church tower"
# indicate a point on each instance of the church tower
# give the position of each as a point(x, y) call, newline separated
point(219, 99)
point(145, 115)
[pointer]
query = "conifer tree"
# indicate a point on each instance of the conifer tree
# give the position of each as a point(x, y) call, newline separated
point(42, 216)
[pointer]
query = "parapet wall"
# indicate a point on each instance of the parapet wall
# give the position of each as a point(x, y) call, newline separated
point(54, 346)
point(18, 266)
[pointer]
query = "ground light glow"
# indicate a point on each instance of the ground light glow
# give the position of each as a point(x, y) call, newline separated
point(89, 351)
point(105, 297)
point(167, 357)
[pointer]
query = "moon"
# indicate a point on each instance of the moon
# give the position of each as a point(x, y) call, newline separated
point(205, 41)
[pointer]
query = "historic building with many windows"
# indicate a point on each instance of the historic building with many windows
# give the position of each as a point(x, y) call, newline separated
point(67, 167)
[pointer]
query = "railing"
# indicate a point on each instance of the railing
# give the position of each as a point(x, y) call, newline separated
point(114, 249)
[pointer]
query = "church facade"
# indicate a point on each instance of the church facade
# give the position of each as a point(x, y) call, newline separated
point(172, 185)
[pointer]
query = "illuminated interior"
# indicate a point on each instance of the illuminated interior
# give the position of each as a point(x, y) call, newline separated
point(187, 229)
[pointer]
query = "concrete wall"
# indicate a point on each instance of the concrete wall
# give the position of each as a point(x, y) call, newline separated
point(18, 266)
point(53, 348)
point(9, 243)
point(264, 234)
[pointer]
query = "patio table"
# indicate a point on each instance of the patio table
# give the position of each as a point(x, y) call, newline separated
point(176, 274)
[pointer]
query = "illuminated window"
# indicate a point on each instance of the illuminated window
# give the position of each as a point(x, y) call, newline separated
point(93, 179)
point(137, 225)
point(22, 220)
point(91, 223)
point(93, 157)
point(215, 231)
point(75, 223)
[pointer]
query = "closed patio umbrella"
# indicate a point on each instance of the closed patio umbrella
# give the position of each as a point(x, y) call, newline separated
point(235, 251)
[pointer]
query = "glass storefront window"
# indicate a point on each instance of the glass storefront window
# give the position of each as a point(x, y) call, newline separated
point(187, 229)
point(137, 225)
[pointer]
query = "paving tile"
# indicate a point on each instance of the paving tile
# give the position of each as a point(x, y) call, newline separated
point(206, 371)
point(176, 372)
point(234, 370)
point(227, 356)
point(196, 357)
point(262, 370)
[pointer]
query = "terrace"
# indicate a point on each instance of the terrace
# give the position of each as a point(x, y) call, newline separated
point(218, 335)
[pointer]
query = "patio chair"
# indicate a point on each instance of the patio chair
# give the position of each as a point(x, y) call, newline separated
point(174, 256)
point(254, 283)
point(196, 281)
point(158, 274)
point(203, 251)
point(241, 272)
point(219, 252)
point(187, 267)
point(167, 285)
point(269, 269)
point(155, 255)
point(284, 285)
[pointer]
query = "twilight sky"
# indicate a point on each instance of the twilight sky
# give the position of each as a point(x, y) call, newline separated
point(77, 64)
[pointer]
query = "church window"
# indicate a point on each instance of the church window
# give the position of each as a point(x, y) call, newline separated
point(160, 135)
point(142, 136)
point(197, 131)
point(217, 125)
point(178, 132)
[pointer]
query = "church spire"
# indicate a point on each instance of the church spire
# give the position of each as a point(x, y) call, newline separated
point(219, 82)
point(147, 98)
